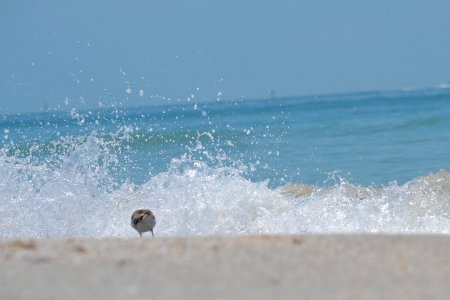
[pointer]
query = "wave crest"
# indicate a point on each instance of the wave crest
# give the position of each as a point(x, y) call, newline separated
point(71, 192)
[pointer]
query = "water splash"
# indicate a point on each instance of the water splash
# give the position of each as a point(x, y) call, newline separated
point(71, 192)
point(73, 174)
point(418, 206)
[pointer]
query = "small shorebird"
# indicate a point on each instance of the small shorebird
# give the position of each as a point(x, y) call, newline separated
point(143, 220)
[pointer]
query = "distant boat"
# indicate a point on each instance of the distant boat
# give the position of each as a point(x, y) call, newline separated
point(271, 94)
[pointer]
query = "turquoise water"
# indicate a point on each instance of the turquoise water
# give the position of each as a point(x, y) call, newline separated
point(367, 138)
point(370, 159)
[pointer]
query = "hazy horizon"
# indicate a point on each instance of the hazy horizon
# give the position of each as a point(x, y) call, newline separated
point(87, 55)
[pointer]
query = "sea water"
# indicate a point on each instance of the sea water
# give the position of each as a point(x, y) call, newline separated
point(347, 163)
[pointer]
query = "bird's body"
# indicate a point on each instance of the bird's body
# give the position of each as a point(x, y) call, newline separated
point(143, 220)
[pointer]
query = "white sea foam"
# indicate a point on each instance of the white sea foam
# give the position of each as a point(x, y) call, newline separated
point(71, 193)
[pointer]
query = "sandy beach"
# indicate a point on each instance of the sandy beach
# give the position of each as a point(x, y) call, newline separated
point(245, 267)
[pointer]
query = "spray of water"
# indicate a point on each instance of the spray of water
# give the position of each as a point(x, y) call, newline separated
point(67, 189)
point(73, 184)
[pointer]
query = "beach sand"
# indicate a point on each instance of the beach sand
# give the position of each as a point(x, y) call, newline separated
point(242, 267)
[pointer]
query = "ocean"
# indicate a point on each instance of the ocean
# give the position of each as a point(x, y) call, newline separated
point(375, 162)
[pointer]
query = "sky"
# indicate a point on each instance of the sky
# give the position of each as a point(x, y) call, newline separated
point(63, 54)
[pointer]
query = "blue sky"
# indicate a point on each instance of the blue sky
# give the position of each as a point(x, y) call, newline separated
point(62, 54)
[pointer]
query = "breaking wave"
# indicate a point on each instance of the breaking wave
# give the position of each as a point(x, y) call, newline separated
point(69, 189)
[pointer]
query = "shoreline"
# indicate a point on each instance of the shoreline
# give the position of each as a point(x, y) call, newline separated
point(338, 266)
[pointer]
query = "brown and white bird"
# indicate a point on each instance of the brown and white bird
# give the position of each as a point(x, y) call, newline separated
point(143, 220)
